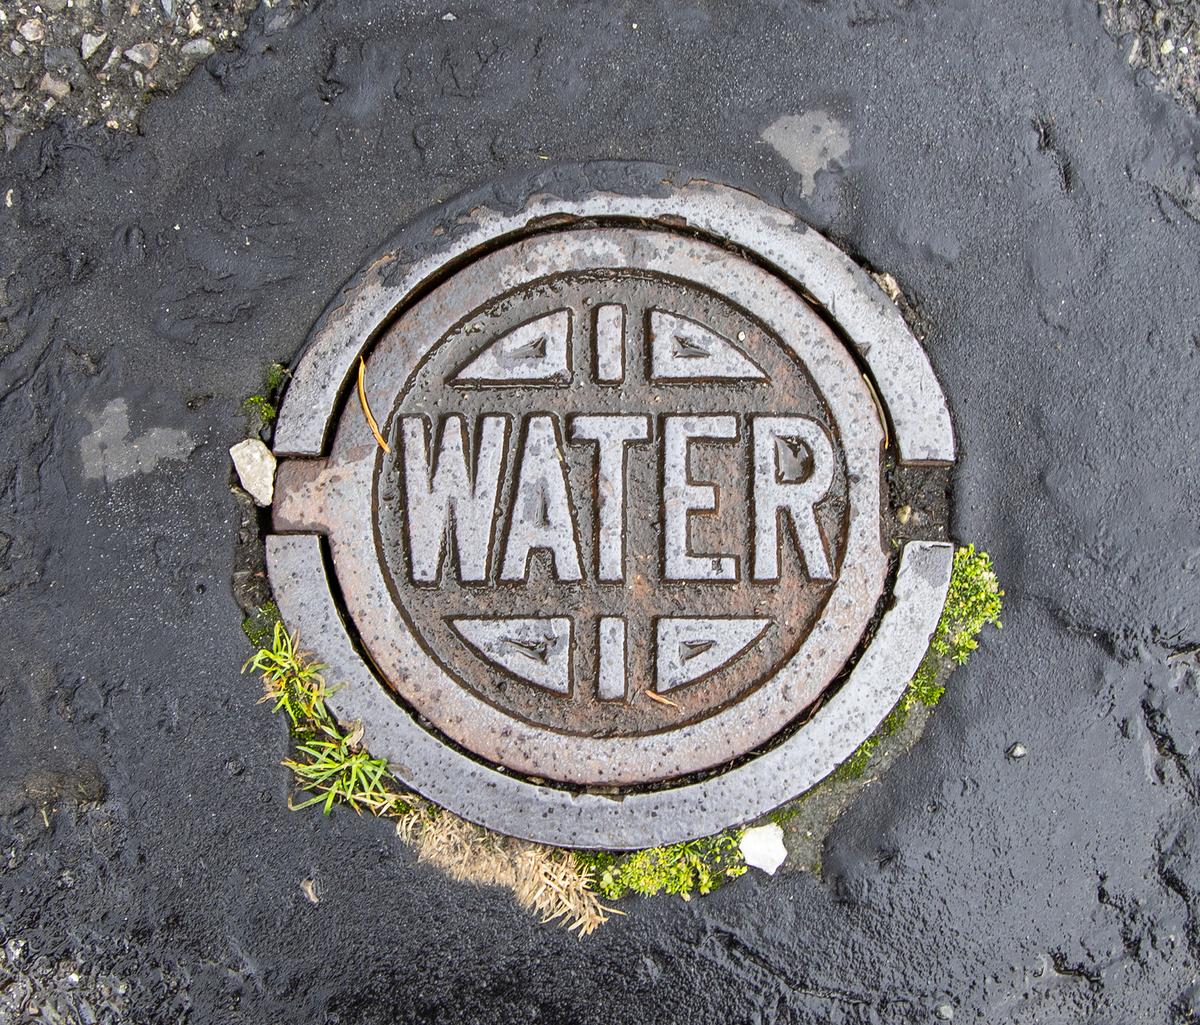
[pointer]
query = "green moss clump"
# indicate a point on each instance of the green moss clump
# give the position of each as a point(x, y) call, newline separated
point(277, 373)
point(259, 626)
point(260, 411)
point(694, 866)
point(973, 601)
point(855, 766)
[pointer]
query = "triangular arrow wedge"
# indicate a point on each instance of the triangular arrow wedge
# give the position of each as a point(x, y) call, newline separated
point(689, 648)
point(535, 352)
point(537, 651)
point(683, 350)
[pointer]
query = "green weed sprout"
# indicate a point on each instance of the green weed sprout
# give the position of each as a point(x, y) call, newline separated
point(290, 678)
point(260, 410)
point(336, 770)
point(329, 764)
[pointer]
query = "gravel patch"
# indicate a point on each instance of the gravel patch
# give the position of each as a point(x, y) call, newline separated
point(93, 981)
point(101, 61)
point(1162, 36)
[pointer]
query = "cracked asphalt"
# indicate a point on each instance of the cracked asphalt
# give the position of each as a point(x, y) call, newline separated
point(1039, 206)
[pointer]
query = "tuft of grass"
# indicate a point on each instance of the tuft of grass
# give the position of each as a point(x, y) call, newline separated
point(293, 681)
point(332, 768)
point(694, 866)
point(329, 764)
point(336, 771)
point(546, 880)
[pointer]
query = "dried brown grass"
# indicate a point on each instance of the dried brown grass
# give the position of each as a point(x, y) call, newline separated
point(547, 881)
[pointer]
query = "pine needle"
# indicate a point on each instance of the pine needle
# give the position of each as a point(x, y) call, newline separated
point(362, 398)
point(878, 409)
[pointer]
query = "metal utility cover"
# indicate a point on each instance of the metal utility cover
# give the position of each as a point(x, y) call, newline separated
point(616, 579)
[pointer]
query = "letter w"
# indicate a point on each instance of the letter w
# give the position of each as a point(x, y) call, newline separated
point(446, 498)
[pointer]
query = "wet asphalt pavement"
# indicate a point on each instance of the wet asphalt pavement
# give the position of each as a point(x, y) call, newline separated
point(1039, 208)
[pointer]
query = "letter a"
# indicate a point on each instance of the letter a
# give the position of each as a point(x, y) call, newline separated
point(541, 508)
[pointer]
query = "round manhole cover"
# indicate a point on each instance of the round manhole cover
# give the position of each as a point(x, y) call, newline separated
point(621, 567)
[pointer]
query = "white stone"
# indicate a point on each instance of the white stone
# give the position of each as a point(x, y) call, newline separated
point(32, 29)
point(89, 44)
point(56, 87)
point(255, 465)
point(762, 847)
point(197, 49)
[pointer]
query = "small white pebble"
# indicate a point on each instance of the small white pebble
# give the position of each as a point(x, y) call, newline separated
point(255, 465)
point(56, 87)
point(762, 847)
point(1017, 751)
point(32, 29)
point(90, 43)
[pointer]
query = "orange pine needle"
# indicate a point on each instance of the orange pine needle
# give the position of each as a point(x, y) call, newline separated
point(362, 398)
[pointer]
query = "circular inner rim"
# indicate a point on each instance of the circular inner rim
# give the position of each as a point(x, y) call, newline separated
point(713, 741)
point(728, 682)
